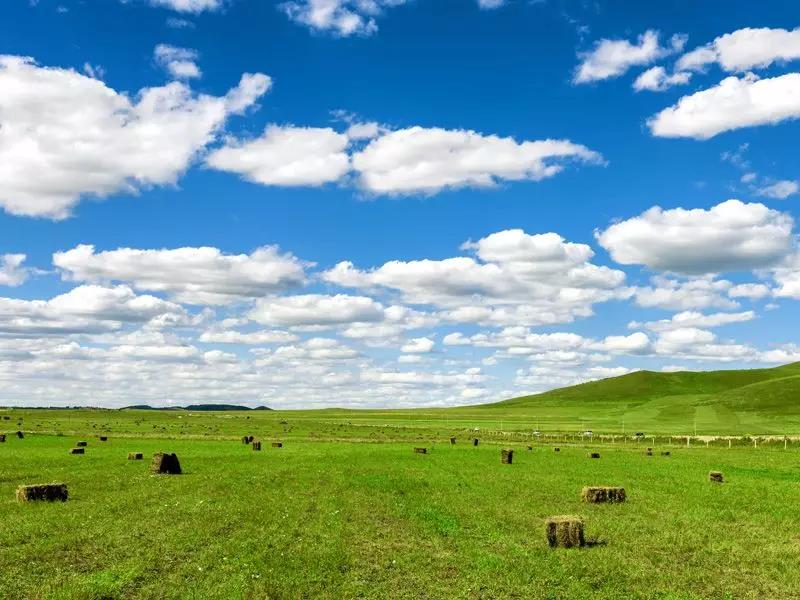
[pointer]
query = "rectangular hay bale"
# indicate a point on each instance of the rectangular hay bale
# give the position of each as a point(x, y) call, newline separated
point(601, 494)
point(256, 445)
point(474, 441)
point(277, 444)
point(716, 477)
point(77, 451)
point(594, 455)
point(48, 492)
point(81, 444)
point(565, 531)
point(135, 456)
point(165, 464)
point(420, 450)
point(506, 456)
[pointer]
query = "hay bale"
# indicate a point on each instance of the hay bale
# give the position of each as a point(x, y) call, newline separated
point(81, 444)
point(600, 494)
point(715, 477)
point(474, 441)
point(48, 492)
point(135, 456)
point(257, 445)
point(506, 456)
point(166, 464)
point(648, 452)
point(2, 438)
point(665, 453)
point(556, 449)
point(277, 444)
point(565, 531)
point(420, 450)
point(452, 441)
point(594, 455)
point(20, 435)
point(529, 448)
point(77, 451)
point(248, 439)
point(103, 438)
point(6, 418)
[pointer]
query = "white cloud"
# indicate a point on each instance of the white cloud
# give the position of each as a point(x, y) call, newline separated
point(745, 49)
point(657, 80)
point(733, 104)
point(517, 277)
point(339, 17)
point(192, 275)
point(753, 291)
point(420, 160)
point(612, 58)
point(730, 236)
point(693, 319)
point(12, 273)
point(635, 343)
point(316, 310)
point(286, 156)
point(263, 337)
point(189, 6)
point(178, 62)
point(66, 136)
point(490, 4)
point(421, 345)
point(779, 190)
point(696, 293)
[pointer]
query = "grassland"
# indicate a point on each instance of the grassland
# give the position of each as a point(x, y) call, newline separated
point(346, 510)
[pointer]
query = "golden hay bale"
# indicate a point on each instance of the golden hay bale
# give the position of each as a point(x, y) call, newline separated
point(277, 444)
point(474, 441)
point(556, 449)
point(77, 451)
point(81, 444)
point(420, 450)
point(565, 531)
point(20, 435)
point(49, 492)
point(594, 455)
point(598, 494)
point(256, 445)
point(166, 464)
point(248, 439)
point(648, 452)
point(506, 456)
point(135, 456)
point(715, 476)
point(452, 440)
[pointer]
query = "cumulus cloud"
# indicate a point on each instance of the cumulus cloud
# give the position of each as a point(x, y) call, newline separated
point(657, 80)
point(696, 320)
point(731, 236)
point(421, 345)
point(516, 276)
point(286, 156)
point(745, 49)
point(193, 275)
point(316, 310)
point(427, 160)
point(189, 6)
point(339, 17)
point(12, 273)
point(263, 337)
point(733, 104)
point(753, 291)
point(779, 190)
point(180, 63)
point(693, 293)
point(66, 136)
point(612, 58)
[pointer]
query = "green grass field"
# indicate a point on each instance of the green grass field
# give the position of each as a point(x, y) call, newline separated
point(346, 509)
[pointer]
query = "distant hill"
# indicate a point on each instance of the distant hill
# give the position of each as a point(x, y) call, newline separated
point(195, 407)
point(728, 400)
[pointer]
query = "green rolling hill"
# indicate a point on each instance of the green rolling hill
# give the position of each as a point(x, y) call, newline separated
point(726, 401)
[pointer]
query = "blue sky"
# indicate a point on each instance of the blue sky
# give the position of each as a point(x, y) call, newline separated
point(391, 203)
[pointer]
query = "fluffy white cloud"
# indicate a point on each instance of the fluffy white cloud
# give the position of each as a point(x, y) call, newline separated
point(695, 293)
point(189, 6)
point(753, 291)
point(12, 273)
point(516, 277)
point(286, 156)
point(192, 275)
point(612, 58)
point(733, 104)
point(697, 320)
point(427, 160)
point(316, 310)
point(421, 345)
point(339, 17)
point(178, 62)
point(66, 135)
point(657, 80)
point(780, 189)
point(745, 49)
point(263, 337)
point(730, 236)
point(84, 309)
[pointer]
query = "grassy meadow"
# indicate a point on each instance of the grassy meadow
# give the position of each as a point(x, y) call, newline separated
point(346, 510)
